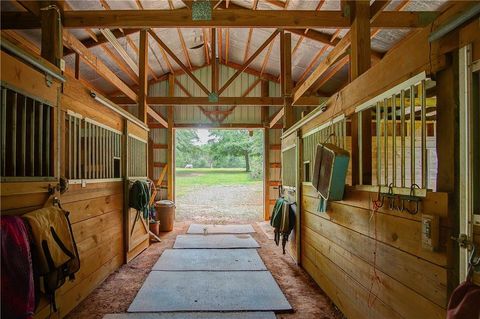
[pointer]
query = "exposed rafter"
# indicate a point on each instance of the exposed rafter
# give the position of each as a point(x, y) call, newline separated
point(249, 61)
point(72, 42)
point(331, 58)
point(177, 60)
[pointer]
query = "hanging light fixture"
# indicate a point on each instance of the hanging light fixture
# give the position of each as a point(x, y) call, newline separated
point(197, 41)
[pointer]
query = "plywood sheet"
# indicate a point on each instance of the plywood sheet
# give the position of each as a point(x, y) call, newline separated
point(183, 291)
point(215, 241)
point(210, 260)
point(193, 315)
point(220, 229)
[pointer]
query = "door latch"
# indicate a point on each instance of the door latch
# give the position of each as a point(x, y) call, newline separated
point(463, 241)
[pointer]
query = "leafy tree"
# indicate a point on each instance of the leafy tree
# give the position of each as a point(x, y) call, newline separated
point(237, 143)
point(186, 146)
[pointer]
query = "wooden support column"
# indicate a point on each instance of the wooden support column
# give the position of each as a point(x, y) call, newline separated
point(266, 152)
point(289, 114)
point(51, 23)
point(360, 61)
point(170, 141)
point(143, 77)
point(213, 38)
point(447, 90)
point(77, 66)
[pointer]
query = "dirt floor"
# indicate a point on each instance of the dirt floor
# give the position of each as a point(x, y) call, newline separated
point(221, 204)
point(116, 293)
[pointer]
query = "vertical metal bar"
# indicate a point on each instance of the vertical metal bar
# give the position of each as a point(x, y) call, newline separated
point(83, 124)
point(102, 151)
point(385, 132)
point(40, 139)
point(95, 151)
point(422, 92)
point(47, 140)
point(23, 152)
point(394, 137)
point(110, 158)
point(75, 146)
point(70, 138)
point(4, 131)
point(32, 139)
point(402, 139)
point(87, 150)
point(379, 149)
point(412, 134)
point(360, 147)
point(13, 155)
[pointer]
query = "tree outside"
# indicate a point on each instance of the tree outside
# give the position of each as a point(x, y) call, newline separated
point(221, 149)
point(219, 175)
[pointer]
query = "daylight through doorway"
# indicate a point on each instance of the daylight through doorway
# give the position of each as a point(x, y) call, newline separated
point(219, 175)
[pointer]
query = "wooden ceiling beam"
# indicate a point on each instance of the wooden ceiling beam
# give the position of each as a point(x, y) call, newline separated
point(184, 48)
point(335, 54)
point(225, 101)
point(187, 93)
point(135, 48)
point(177, 60)
point(334, 70)
point(244, 94)
point(90, 43)
point(249, 61)
point(72, 42)
point(181, 18)
point(128, 71)
point(276, 117)
point(205, 46)
point(120, 50)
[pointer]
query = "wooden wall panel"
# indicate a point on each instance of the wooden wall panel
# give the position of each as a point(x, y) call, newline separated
point(27, 79)
point(76, 97)
point(345, 241)
point(96, 209)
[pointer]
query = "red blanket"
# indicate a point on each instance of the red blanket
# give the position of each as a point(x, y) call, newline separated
point(465, 302)
point(18, 292)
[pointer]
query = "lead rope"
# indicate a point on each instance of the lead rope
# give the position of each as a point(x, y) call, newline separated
point(372, 297)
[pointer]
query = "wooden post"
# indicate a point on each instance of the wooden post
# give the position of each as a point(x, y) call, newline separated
point(170, 142)
point(51, 23)
point(77, 66)
point(214, 62)
point(143, 77)
point(447, 89)
point(266, 152)
point(360, 62)
point(289, 114)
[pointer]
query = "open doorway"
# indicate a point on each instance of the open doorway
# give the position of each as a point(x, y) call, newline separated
point(219, 175)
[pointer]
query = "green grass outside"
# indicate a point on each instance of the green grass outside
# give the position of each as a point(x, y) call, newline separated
point(188, 178)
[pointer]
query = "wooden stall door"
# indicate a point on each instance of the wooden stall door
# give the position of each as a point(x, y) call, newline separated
point(135, 226)
point(469, 232)
point(291, 184)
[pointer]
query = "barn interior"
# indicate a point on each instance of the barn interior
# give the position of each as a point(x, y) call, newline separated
point(368, 111)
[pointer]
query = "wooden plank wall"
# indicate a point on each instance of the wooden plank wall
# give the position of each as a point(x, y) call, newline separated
point(96, 210)
point(383, 270)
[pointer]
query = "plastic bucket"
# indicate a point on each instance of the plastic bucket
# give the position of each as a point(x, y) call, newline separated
point(165, 214)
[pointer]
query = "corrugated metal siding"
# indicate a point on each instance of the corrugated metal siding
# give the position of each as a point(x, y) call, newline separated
point(186, 114)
